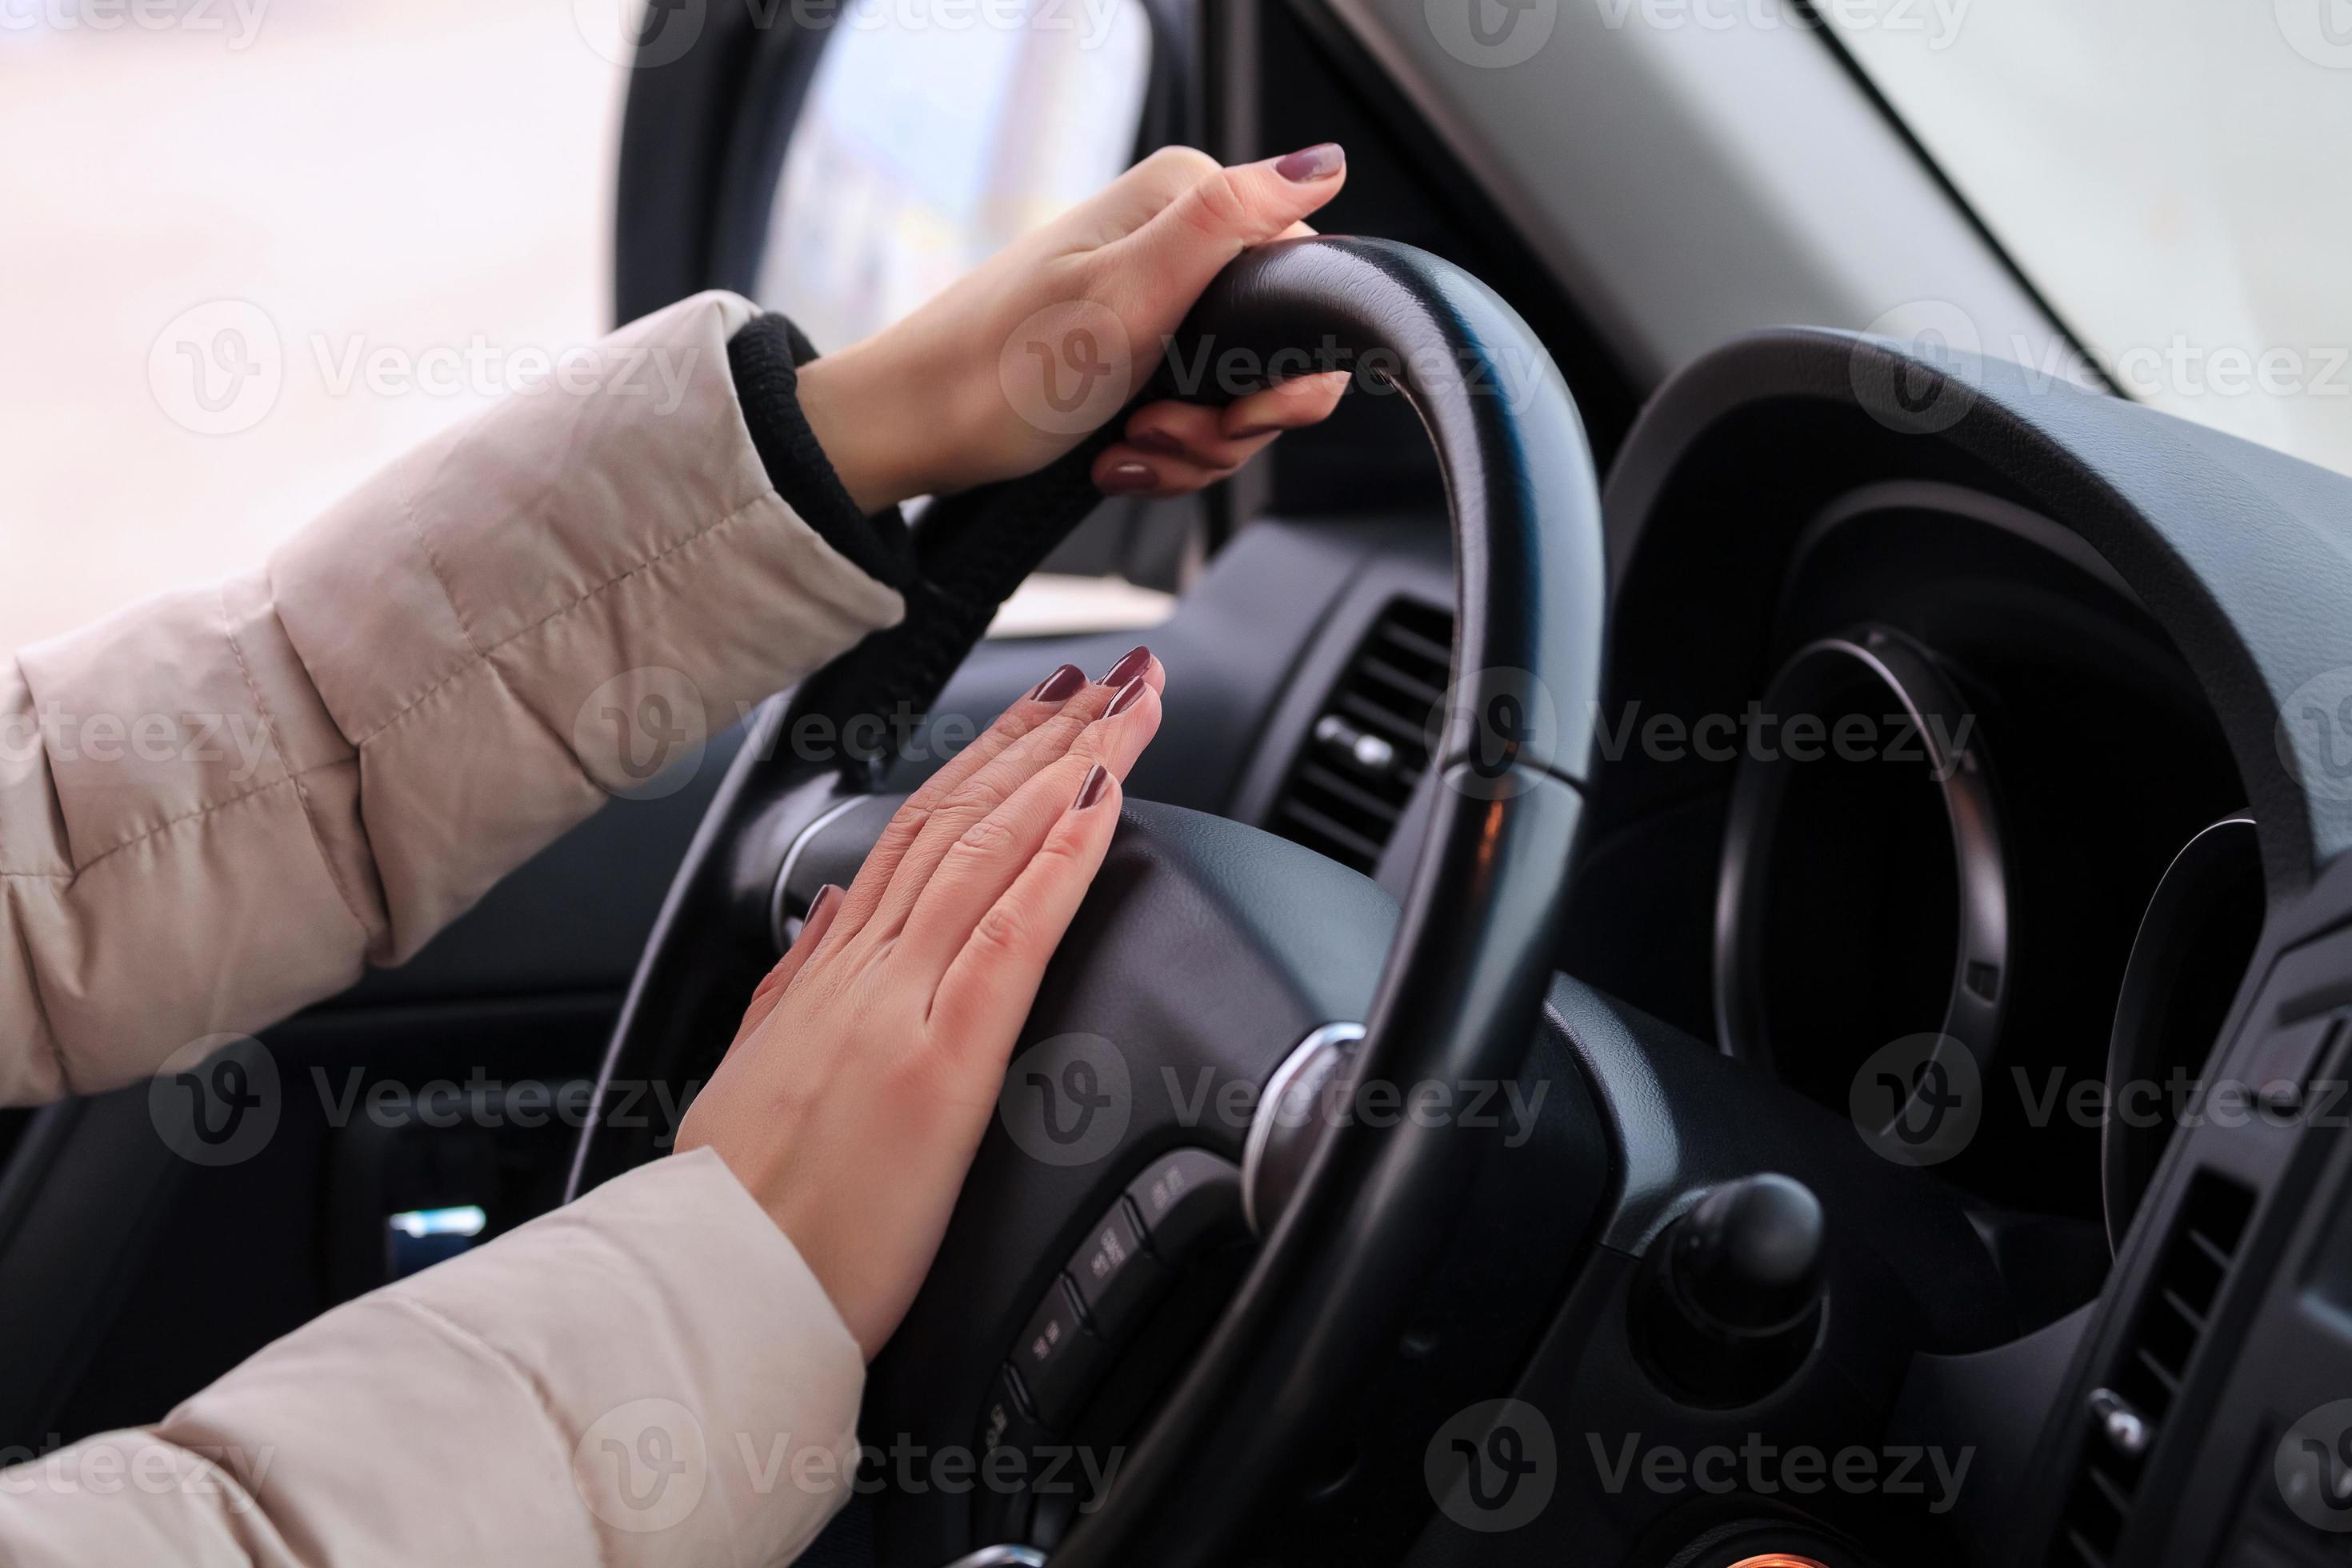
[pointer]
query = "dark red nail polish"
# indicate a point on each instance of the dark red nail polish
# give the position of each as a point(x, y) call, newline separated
point(1129, 695)
point(1096, 780)
point(1131, 664)
point(1060, 686)
point(1126, 479)
point(1157, 441)
point(1319, 161)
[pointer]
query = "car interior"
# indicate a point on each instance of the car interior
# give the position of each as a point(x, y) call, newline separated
point(1801, 780)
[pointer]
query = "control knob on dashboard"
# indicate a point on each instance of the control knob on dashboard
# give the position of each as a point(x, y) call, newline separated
point(1733, 1302)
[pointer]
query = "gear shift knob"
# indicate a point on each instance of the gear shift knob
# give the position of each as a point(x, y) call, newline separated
point(1750, 1257)
point(1733, 1300)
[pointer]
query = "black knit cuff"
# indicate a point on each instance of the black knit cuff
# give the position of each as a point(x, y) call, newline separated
point(765, 356)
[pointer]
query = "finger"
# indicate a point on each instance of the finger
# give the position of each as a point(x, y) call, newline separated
point(1191, 432)
point(979, 868)
point(1292, 406)
point(770, 989)
point(1142, 193)
point(973, 791)
point(1225, 213)
point(1122, 713)
point(1124, 470)
point(1040, 703)
point(1174, 448)
point(989, 986)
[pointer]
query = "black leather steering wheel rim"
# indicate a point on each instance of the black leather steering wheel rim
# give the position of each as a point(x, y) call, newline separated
point(1461, 992)
point(1481, 915)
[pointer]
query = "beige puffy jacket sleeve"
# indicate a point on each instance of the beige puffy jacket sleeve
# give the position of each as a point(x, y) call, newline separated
point(221, 804)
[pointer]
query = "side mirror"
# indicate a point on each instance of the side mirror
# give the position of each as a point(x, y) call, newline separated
point(919, 152)
point(842, 161)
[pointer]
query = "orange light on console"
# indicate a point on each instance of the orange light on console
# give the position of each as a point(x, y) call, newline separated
point(1777, 1559)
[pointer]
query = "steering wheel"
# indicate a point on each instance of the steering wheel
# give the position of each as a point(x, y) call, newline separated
point(1132, 1262)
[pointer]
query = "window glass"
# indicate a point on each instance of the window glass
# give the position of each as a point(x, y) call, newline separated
point(923, 149)
point(2169, 173)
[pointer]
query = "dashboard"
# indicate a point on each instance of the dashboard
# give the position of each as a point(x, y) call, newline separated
point(1944, 761)
point(1925, 778)
point(1953, 758)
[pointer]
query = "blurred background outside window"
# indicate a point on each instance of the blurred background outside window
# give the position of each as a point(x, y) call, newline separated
point(352, 191)
point(256, 248)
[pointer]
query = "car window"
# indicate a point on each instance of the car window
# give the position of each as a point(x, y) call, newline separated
point(923, 148)
point(256, 248)
point(921, 151)
point(2168, 173)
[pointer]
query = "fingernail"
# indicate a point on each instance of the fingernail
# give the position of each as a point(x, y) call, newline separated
point(1131, 664)
point(1128, 696)
point(1157, 441)
point(1060, 686)
point(1126, 479)
point(827, 897)
point(1096, 780)
point(1307, 164)
point(1252, 432)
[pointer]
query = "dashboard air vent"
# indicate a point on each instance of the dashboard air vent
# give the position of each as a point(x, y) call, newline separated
point(1371, 744)
point(2129, 1412)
